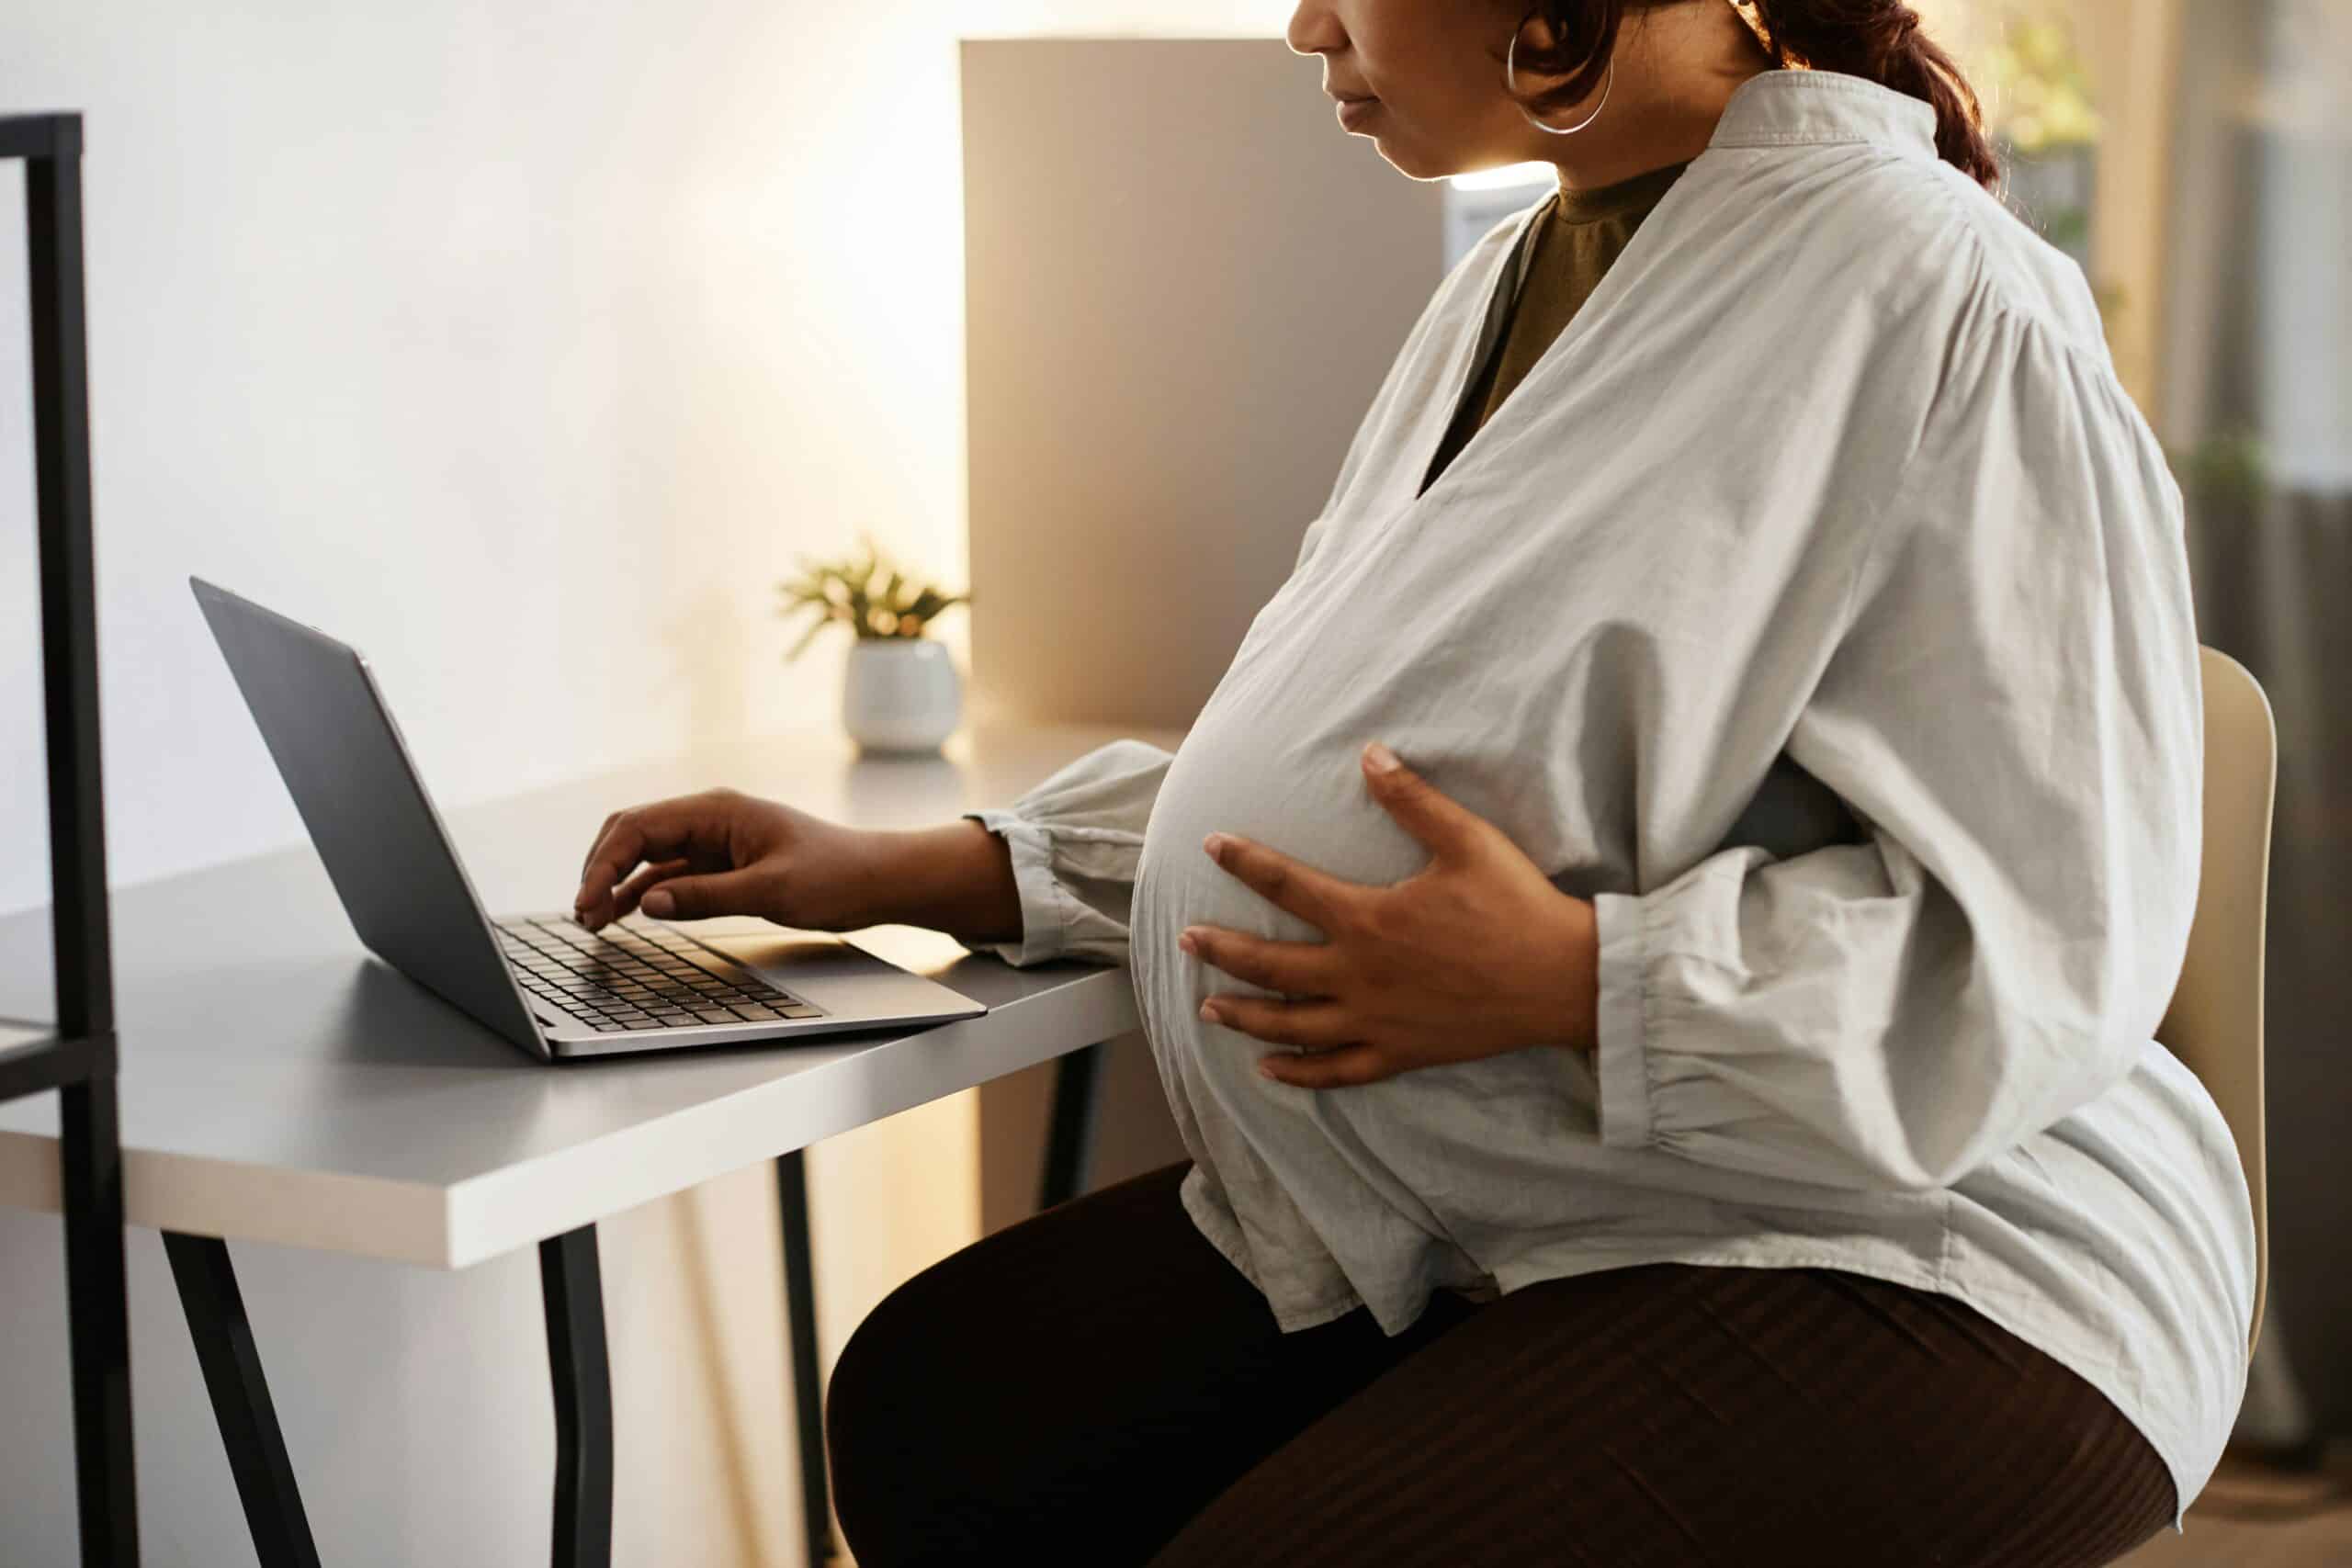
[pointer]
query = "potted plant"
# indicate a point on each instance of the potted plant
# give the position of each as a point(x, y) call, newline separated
point(900, 692)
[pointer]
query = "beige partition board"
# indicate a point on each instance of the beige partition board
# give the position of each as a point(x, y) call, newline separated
point(1184, 284)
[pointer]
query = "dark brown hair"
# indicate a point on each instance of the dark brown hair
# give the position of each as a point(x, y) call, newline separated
point(1879, 40)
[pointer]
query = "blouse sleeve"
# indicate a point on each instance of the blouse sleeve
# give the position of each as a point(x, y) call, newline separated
point(2014, 712)
point(1075, 839)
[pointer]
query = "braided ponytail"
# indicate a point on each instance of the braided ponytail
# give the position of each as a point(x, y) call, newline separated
point(1877, 40)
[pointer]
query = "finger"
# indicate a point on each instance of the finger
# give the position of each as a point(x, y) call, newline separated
point(581, 899)
point(596, 844)
point(1314, 897)
point(1441, 823)
point(640, 833)
point(698, 898)
point(626, 896)
point(1318, 1021)
point(587, 902)
point(1296, 968)
point(1346, 1067)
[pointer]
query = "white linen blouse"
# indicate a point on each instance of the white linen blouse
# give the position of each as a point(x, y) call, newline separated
point(1817, 607)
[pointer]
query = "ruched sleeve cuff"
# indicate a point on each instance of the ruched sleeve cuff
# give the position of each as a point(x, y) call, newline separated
point(1047, 910)
point(1076, 839)
point(1620, 1062)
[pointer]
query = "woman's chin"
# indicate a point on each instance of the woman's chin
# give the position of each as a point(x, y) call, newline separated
point(1412, 162)
point(1403, 157)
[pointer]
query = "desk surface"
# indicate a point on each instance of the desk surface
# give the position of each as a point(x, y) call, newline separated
point(280, 1084)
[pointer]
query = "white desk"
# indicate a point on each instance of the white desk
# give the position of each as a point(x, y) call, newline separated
point(278, 1084)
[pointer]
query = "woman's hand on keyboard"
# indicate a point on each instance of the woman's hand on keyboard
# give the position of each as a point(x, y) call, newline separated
point(725, 853)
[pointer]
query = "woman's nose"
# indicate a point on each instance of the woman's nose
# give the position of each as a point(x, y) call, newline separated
point(1313, 29)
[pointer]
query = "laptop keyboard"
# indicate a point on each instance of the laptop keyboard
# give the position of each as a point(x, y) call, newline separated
point(634, 975)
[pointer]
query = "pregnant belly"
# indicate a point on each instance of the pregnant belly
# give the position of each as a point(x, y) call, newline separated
point(1294, 787)
point(1363, 1174)
point(1453, 681)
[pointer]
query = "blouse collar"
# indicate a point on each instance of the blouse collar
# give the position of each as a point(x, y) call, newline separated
point(1782, 107)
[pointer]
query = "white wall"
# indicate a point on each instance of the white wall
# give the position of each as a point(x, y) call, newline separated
point(521, 346)
point(524, 346)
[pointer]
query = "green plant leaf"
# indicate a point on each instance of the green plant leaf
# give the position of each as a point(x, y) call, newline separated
point(864, 595)
point(806, 638)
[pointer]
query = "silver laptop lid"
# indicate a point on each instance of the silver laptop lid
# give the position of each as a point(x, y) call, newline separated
point(391, 864)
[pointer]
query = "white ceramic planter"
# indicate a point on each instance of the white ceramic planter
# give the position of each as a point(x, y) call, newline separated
point(900, 694)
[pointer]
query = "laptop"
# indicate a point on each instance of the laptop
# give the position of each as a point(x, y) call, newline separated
point(544, 981)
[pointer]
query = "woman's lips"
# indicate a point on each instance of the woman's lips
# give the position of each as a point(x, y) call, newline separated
point(1354, 112)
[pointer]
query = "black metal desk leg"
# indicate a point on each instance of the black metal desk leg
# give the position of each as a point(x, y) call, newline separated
point(801, 1310)
point(577, 1365)
point(241, 1403)
point(98, 1321)
point(1068, 1153)
point(1069, 1140)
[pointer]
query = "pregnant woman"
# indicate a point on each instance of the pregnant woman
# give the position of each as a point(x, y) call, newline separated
point(1699, 1104)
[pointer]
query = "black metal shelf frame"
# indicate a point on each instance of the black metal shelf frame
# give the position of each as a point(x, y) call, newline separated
point(77, 1059)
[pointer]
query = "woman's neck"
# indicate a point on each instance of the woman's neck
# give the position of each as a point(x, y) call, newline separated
point(1677, 68)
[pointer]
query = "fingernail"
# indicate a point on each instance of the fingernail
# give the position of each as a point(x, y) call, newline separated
point(1208, 1012)
point(658, 904)
point(1188, 942)
point(1380, 757)
point(1266, 1071)
point(1215, 844)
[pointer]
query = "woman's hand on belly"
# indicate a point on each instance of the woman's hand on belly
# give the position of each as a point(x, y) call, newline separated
point(1473, 956)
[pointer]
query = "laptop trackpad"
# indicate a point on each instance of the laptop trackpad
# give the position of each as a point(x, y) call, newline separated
point(784, 956)
point(832, 972)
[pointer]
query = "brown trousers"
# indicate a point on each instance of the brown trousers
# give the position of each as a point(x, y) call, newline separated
point(1098, 1386)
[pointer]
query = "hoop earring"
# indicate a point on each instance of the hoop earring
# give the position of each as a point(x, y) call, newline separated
point(1510, 81)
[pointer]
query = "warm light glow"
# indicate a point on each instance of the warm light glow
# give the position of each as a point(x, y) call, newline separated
point(1538, 173)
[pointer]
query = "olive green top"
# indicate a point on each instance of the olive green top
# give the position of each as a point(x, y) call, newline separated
point(1579, 237)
